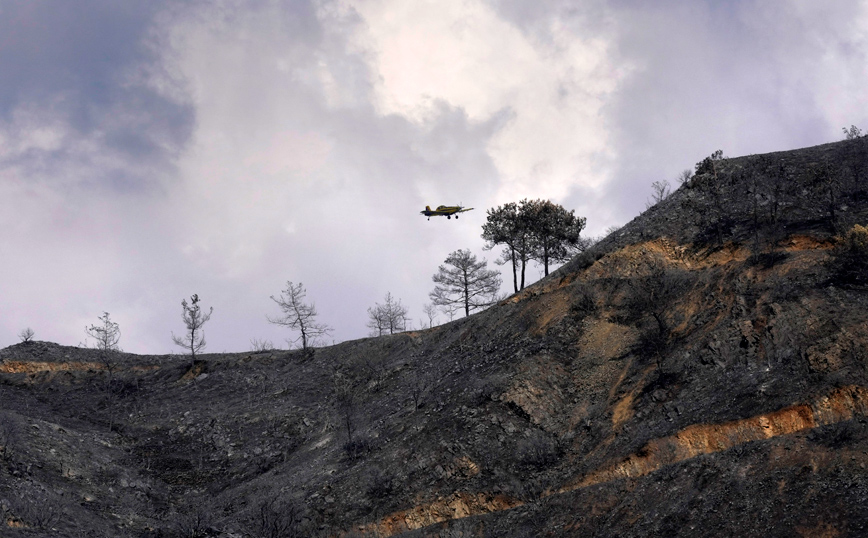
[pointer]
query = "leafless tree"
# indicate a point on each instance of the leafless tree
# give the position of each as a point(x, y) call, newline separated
point(277, 520)
point(387, 318)
point(660, 190)
point(431, 312)
point(830, 188)
point(106, 335)
point(8, 435)
point(464, 281)
point(26, 335)
point(852, 133)
point(194, 318)
point(713, 215)
point(684, 176)
point(298, 315)
point(420, 383)
point(346, 394)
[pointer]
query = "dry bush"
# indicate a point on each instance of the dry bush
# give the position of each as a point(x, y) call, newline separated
point(849, 263)
point(8, 435)
point(261, 345)
point(276, 519)
point(380, 484)
point(35, 509)
point(538, 452)
point(196, 524)
point(26, 335)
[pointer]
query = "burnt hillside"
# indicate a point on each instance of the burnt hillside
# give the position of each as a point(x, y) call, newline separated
point(701, 372)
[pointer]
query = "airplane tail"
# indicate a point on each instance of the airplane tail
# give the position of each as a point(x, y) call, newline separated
point(427, 208)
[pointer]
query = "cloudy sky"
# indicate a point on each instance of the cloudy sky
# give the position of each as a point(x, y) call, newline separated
point(152, 150)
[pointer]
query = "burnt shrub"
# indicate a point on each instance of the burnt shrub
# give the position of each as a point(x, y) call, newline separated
point(849, 262)
point(538, 452)
point(8, 435)
point(380, 484)
point(585, 304)
point(839, 434)
point(275, 519)
point(356, 448)
point(766, 260)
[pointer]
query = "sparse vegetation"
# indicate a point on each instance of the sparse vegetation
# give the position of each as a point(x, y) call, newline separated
point(260, 345)
point(298, 315)
point(543, 415)
point(710, 164)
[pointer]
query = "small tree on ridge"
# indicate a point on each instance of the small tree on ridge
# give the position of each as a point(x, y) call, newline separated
point(194, 318)
point(465, 282)
point(298, 316)
point(390, 317)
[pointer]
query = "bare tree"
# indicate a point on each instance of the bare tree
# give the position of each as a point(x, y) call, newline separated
point(852, 133)
point(194, 337)
point(390, 317)
point(8, 434)
point(277, 519)
point(431, 312)
point(106, 335)
point(26, 335)
point(660, 190)
point(465, 281)
point(713, 215)
point(347, 402)
point(685, 176)
point(654, 293)
point(299, 316)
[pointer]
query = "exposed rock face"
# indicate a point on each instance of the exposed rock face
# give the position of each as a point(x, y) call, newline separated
point(700, 373)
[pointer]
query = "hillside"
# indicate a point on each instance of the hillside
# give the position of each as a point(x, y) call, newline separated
point(700, 372)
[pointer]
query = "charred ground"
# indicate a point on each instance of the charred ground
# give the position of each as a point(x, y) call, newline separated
point(701, 372)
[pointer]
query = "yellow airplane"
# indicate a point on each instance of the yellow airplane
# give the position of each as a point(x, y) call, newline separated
point(444, 211)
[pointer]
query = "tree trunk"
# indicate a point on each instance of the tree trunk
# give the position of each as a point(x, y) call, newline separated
point(514, 270)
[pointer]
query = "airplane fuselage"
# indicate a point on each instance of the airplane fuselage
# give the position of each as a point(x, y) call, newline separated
point(444, 211)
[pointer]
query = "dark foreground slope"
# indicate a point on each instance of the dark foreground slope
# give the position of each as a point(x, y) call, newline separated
point(700, 373)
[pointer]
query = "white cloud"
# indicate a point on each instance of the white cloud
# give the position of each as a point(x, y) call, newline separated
point(465, 54)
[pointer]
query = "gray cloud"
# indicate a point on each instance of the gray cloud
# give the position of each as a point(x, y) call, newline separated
point(149, 152)
point(76, 69)
point(744, 77)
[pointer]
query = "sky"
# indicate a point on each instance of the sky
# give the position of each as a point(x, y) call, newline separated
point(153, 150)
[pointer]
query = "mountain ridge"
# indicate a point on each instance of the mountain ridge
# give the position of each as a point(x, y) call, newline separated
point(699, 372)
